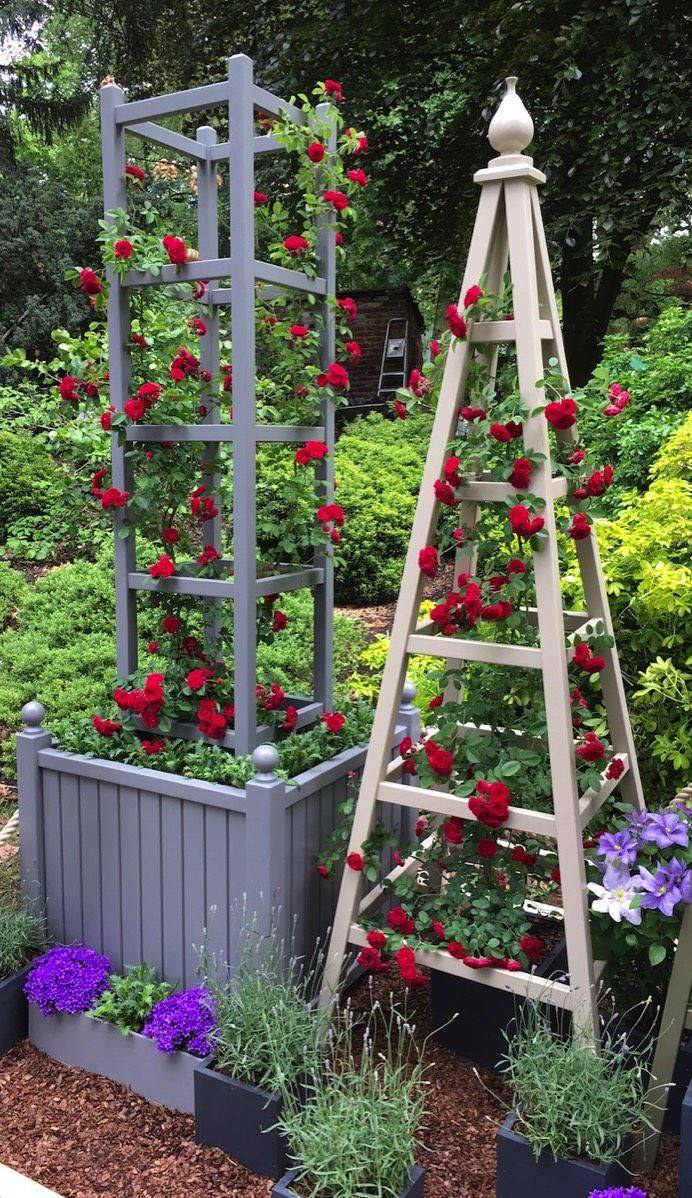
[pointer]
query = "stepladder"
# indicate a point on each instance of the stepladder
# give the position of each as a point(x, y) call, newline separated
point(475, 830)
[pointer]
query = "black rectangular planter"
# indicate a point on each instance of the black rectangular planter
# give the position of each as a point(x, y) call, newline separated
point(14, 1010)
point(520, 1175)
point(239, 1119)
point(685, 1175)
point(413, 1189)
point(472, 1017)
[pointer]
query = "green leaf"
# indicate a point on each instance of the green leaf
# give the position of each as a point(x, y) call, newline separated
point(657, 953)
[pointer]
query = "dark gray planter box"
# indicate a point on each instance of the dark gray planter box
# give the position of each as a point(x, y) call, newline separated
point(240, 1119)
point(472, 1017)
point(520, 1175)
point(136, 863)
point(685, 1175)
point(414, 1188)
point(132, 1060)
point(14, 1010)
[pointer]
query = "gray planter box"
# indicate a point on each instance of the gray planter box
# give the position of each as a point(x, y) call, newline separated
point(132, 1060)
point(414, 1188)
point(241, 1120)
point(14, 1013)
point(520, 1175)
point(136, 863)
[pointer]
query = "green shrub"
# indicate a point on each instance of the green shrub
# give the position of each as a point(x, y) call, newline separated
point(379, 464)
point(674, 459)
point(31, 483)
point(659, 376)
point(130, 997)
point(13, 591)
point(288, 659)
point(645, 554)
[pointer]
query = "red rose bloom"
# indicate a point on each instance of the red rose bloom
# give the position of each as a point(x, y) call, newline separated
point(123, 248)
point(473, 295)
point(210, 721)
point(453, 830)
point(369, 958)
point(487, 848)
point(135, 173)
point(334, 89)
point(68, 388)
point(455, 321)
point(112, 497)
point(322, 871)
point(315, 151)
point(176, 249)
point(427, 561)
point(592, 749)
point(349, 307)
point(334, 720)
point(358, 176)
point(279, 621)
point(471, 414)
point(296, 245)
point(586, 660)
point(533, 947)
point(400, 921)
point(355, 862)
point(456, 950)
point(170, 624)
point(259, 198)
point(170, 536)
point(376, 939)
point(152, 747)
point(616, 768)
point(580, 528)
point(440, 760)
point(490, 805)
point(106, 727)
point(90, 282)
point(521, 474)
point(299, 331)
point(163, 568)
point(210, 554)
point(312, 451)
point(522, 523)
point(335, 376)
point(561, 413)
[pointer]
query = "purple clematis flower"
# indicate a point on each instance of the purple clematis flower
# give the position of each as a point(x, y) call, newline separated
point(638, 821)
point(662, 891)
point(682, 874)
point(665, 829)
point(618, 847)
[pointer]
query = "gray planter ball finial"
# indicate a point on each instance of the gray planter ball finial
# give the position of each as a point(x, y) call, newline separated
point(265, 760)
point(408, 693)
point(33, 714)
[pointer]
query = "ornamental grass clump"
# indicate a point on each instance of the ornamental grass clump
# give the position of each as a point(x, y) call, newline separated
point(570, 1100)
point(68, 978)
point(183, 1022)
point(130, 998)
point(269, 1026)
point(22, 933)
point(357, 1131)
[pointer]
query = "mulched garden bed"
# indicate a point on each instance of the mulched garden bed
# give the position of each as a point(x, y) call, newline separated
point(85, 1136)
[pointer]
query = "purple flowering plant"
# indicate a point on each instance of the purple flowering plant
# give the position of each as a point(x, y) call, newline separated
point(619, 1192)
point(641, 877)
point(69, 978)
point(185, 1021)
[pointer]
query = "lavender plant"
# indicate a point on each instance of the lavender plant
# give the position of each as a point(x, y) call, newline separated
point(22, 933)
point(68, 978)
point(183, 1022)
point(358, 1129)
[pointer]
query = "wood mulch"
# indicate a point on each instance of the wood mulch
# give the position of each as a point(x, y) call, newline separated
point(85, 1137)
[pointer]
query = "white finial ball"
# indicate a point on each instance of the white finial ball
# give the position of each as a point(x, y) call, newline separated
point(511, 129)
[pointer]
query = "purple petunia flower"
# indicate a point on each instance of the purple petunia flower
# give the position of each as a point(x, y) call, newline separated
point(618, 847)
point(184, 1021)
point(661, 890)
point(69, 977)
point(665, 829)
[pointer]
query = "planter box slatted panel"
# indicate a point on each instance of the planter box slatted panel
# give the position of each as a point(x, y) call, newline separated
point(136, 863)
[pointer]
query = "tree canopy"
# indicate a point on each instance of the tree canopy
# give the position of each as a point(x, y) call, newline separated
point(607, 86)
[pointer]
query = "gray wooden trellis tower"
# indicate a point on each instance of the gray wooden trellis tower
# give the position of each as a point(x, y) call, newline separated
point(508, 229)
point(241, 97)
